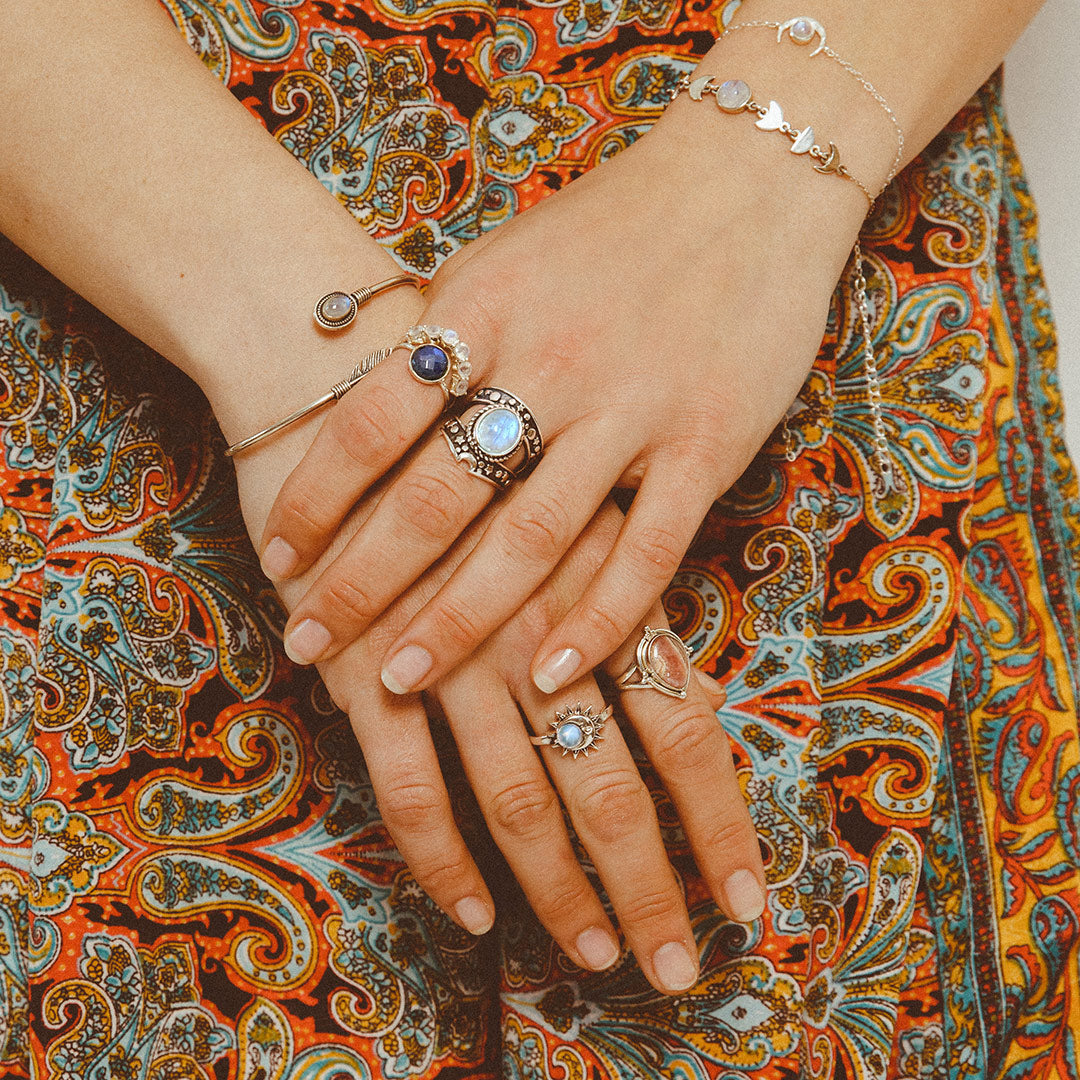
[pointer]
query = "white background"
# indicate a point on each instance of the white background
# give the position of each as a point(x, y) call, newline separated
point(1042, 87)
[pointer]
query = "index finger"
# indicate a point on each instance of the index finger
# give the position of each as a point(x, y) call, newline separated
point(363, 435)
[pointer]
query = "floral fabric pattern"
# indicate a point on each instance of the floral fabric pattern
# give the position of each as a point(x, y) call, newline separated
point(195, 880)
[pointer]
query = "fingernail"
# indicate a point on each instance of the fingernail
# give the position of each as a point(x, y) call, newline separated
point(676, 970)
point(745, 896)
point(597, 948)
point(557, 670)
point(279, 559)
point(307, 641)
point(405, 669)
point(474, 915)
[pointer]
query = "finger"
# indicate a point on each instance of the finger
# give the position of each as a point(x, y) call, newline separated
point(363, 435)
point(692, 756)
point(615, 820)
point(524, 816)
point(520, 548)
point(417, 519)
point(659, 528)
point(412, 798)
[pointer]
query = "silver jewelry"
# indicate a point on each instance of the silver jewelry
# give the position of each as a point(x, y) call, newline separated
point(735, 96)
point(500, 441)
point(335, 393)
point(802, 31)
point(574, 730)
point(438, 357)
point(873, 381)
point(662, 663)
point(336, 310)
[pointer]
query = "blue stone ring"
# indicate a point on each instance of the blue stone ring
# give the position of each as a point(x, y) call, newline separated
point(574, 730)
point(495, 437)
point(438, 357)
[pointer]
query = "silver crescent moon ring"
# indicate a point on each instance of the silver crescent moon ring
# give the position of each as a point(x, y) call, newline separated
point(802, 31)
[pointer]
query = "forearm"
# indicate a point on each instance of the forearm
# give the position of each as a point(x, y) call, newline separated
point(129, 172)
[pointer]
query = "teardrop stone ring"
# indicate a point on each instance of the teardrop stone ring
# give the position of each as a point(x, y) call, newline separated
point(663, 663)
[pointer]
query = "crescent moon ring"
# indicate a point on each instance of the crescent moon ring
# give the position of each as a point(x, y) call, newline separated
point(697, 87)
point(817, 27)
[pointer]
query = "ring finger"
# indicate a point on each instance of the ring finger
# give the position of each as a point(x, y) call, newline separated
point(615, 820)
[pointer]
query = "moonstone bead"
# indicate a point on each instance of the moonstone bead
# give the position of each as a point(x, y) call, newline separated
point(498, 432)
point(802, 31)
point(429, 363)
point(733, 95)
point(569, 735)
point(336, 307)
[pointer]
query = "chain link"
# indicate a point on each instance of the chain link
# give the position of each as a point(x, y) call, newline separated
point(873, 382)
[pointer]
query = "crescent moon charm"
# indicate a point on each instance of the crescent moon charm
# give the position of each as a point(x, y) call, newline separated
point(803, 30)
point(697, 87)
point(832, 163)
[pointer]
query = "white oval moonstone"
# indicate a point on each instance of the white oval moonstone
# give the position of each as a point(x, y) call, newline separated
point(498, 432)
point(802, 31)
point(733, 95)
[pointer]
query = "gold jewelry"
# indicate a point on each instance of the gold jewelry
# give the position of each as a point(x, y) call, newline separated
point(335, 393)
point(336, 310)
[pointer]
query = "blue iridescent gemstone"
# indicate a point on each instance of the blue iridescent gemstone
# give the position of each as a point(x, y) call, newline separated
point(498, 431)
point(429, 363)
point(569, 735)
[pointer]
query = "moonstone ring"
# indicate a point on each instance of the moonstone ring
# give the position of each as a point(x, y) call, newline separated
point(574, 730)
point(495, 437)
point(663, 663)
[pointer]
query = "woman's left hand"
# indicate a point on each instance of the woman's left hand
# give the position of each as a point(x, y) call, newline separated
point(657, 317)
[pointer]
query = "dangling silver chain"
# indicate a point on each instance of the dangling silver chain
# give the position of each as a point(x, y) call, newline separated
point(873, 382)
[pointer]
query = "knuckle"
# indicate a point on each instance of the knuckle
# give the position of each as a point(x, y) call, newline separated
point(656, 551)
point(366, 431)
point(431, 505)
point(443, 877)
point(610, 807)
point(455, 621)
point(604, 628)
point(687, 741)
point(538, 530)
point(301, 515)
point(564, 900)
point(412, 806)
point(524, 809)
point(654, 906)
point(732, 835)
point(346, 602)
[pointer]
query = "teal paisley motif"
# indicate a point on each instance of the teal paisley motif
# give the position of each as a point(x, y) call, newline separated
point(136, 1015)
point(932, 375)
point(368, 128)
point(67, 855)
point(216, 28)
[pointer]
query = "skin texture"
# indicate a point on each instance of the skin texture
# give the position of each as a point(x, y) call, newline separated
point(178, 256)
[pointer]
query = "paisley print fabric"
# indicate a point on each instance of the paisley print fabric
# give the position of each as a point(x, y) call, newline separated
point(195, 880)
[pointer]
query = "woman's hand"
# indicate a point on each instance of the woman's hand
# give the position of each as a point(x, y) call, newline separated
point(484, 701)
point(657, 321)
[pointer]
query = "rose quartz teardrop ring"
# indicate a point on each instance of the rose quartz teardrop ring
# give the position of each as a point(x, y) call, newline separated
point(663, 663)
